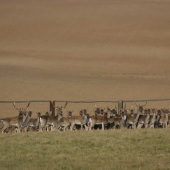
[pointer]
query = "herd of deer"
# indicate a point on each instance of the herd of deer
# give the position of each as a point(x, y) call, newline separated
point(111, 118)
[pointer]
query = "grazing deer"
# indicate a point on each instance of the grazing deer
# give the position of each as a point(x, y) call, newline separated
point(15, 121)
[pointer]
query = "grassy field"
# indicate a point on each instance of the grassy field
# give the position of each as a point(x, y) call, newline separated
point(109, 149)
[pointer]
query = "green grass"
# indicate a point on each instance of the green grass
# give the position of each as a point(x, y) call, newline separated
point(109, 149)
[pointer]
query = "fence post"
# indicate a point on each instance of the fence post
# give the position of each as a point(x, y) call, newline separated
point(52, 107)
point(120, 105)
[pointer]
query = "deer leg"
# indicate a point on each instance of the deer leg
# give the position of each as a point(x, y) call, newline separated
point(71, 126)
point(91, 126)
point(81, 127)
point(139, 126)
point(4, 128)
point(102, 126)
point(85, 127)
point(134, 126)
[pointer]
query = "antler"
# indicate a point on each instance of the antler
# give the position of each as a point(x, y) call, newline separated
point(65, 104)
point(22, 107)
point(15, 106)
point(136, 104)
point(27, 106)
point(144, 104)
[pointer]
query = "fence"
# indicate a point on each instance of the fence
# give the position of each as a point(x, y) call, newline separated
point(7, 109)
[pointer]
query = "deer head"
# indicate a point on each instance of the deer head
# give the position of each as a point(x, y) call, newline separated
point(21, 109)
point(60, 109)
point(69, 113)
point(145, 111)
point(81, 112)
point(140, 107)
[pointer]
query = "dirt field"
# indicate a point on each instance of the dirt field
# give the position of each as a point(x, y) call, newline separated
point(84, 50)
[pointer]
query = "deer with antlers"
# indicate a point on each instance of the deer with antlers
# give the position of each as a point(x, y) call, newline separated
point(25, 123)
point(132, 120)
point(33, 123)
point(46, 120)
point(15, 121)
point(64, 121)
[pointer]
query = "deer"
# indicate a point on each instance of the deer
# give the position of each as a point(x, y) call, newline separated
point(144, 119)
point(152, 118)
point(64, 121)
point(81, 113)
point(131, 114)
point(132, 119)
point(33, 123)
point(158, 116)
point(15, 121)
point(78, 120)
point(163, 121)
point(46, 120)
point(119, 121)
point(98, 120)
point(25, 123)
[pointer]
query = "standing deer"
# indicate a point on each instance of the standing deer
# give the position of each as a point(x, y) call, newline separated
point(132, 120)
point(98, 120)
point(78, 120)
point(163, 121)
point(25, 123)
point(15, 121)
point(119, 121)
point(152, 118)
point(46, 120)
point(33, 123)
point(144, 119)
point(64, 121)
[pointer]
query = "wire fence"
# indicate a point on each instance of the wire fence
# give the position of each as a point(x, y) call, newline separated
point(7, 109)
